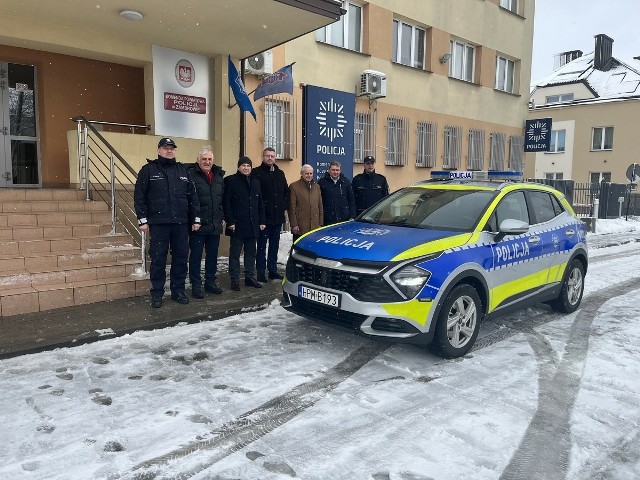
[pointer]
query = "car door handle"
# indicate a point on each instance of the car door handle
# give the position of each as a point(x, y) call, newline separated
point(535, 240)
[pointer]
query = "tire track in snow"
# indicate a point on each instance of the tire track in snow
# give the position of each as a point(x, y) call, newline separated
point(544, 452)
point(258, 422)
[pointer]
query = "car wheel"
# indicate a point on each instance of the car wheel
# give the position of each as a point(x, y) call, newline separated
point(458, 322)
point(572, 289)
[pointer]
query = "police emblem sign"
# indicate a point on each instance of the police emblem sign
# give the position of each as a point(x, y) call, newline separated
point(327, 129)
point(537, 135)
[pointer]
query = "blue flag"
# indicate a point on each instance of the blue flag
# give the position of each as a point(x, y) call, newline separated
point(240, 94)
point(278, 82)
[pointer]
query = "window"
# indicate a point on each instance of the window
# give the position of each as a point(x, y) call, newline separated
point(346, 32)
point(597, 177)
point(553, 176)
point(544, 206)
point(397, 140)
point(557, 141)
point(498, 141)
point(408, 44)
point(565, 97)
point(462, 62)
point(427, 141)
point(363, 137)
point(516, 153)
point(505, 74)
point(280, 126)
point(602, 138)
point(511, 5)
point(452, 146)
point(476, 149)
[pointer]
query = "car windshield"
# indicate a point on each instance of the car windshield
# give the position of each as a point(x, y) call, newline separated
point(431, 208)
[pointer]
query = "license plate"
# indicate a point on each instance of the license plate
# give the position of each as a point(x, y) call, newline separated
point(319, 296)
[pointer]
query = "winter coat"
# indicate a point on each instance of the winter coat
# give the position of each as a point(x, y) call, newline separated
point(305, 206)
point(164, 194)
point(243, 205)
point(337, 199)
point(368, 188)
point(210, 196)
point(275, 192)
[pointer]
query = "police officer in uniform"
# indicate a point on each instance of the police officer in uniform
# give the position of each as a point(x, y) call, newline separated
point(167, 207)
point(369, 186)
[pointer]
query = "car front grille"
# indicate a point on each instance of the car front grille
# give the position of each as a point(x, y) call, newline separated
point(326, 314)
point(361, 286)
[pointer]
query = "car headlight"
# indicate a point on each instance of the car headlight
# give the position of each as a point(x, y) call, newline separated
point(410, 280)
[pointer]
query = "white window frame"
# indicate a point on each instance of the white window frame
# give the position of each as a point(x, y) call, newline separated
point(414, 53)
point(554, 176)
point(603, 137)
point(397, 141)
point(352, 20)
point(452, 146)
point(426, 144)
point(511, 5)
point(563, 97)
point(558, 141)
point(505, 74)
point(460, 66)
point(475, 156)
point(280, 125)
point(363, 136)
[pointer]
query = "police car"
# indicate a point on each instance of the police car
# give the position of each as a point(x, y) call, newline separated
point(429, 262)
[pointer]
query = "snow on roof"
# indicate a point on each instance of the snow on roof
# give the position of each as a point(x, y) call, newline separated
point(621, 80)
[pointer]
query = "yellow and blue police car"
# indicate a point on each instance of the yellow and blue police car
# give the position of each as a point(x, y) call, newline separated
point(428, 263)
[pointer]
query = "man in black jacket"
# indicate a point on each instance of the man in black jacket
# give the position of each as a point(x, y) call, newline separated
point(369, 186)
point(244, 214)
point(337, 196)
point(208, 181)
point(275, 193)
point(167, 207)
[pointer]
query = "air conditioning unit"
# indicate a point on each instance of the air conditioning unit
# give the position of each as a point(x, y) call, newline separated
point(259, 64)
point(373, 84)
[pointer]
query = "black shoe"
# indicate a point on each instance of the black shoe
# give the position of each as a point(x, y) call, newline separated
point(213, 288)
point(235, 286)
point(180, 297)
point(197, 292)
point(275, 276)
point(262, 278)
point(252, 282)
point(156, 301)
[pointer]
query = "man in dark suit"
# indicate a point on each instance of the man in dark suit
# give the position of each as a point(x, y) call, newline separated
point(244, 214)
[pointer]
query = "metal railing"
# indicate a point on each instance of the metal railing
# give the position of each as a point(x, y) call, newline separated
point(106, 175)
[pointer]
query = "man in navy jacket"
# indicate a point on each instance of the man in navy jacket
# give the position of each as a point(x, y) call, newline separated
point(244, 214)
point(369, 186)
point(275, 193)
point(167, 207)
point(337, 196)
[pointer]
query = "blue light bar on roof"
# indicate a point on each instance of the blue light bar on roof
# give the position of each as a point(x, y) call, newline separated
point(476, 175)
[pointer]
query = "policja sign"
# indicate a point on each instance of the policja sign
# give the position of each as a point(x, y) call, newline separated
point(537, 135)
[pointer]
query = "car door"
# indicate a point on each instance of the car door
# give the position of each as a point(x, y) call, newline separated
point(519, 265)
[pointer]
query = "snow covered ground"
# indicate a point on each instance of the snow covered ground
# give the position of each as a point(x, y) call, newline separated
point(269, 395)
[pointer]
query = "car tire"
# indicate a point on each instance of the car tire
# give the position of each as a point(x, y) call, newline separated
point(458, 322)
point(572, 289)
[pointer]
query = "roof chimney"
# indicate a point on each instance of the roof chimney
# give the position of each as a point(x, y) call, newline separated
point(603, 52)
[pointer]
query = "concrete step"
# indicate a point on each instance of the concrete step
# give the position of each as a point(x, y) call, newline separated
point(40, 194)
point(39, 298)
point(68, 259)
point(41, 206)
point(33, 219)
point(53, 244)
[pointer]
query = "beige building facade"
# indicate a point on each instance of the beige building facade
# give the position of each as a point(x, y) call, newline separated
point(457, 84)
point(594, 103)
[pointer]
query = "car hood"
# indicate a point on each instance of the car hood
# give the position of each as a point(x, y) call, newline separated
point(382, 243)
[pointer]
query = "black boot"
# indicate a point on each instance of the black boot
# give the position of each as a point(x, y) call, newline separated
point(252, 282)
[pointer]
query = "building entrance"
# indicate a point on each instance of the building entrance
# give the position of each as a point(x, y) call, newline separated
point(19, 146)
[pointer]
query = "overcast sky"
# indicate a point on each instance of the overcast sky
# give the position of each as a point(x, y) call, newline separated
point(562, 25)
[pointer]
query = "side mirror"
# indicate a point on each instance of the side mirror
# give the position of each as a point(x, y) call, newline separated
point(511, 226)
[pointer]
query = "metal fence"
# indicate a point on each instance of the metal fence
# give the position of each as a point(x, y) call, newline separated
point(614, 199)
